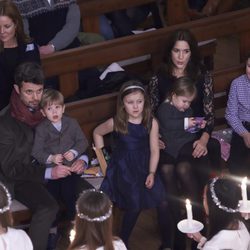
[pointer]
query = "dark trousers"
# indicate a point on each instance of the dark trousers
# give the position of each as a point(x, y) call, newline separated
point(66, 191)
point(239, 160)
point(43, 207)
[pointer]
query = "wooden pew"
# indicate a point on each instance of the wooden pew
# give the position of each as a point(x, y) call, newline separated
point(92, 9)
point(67, 63)
point(92, 111)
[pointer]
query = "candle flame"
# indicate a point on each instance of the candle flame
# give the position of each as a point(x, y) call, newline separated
point(72, 235)
point(188, 202)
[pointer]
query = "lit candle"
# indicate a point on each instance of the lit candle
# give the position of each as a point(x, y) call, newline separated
point(72, 235)
point(189, 211)
point(244, 191)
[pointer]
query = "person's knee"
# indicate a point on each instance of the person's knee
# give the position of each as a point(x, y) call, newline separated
point(167, 170)
point(48, 210)
point(183, 168)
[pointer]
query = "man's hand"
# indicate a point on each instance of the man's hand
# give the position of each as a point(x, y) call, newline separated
point(246, 138)
point(78, 166)
point(57, 159)
point(69, 155)
point(60, 171)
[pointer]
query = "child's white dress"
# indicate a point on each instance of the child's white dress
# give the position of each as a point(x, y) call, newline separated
point(15, 239)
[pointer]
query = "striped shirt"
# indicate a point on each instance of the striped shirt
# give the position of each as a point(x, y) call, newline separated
point(238, 104)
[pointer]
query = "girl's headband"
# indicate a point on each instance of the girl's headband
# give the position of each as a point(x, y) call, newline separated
point(94, 219)
point(134, 87)
point(218, 202)
point(7, 207)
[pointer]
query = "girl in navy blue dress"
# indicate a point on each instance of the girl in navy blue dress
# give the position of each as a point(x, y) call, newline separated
point(131, 180)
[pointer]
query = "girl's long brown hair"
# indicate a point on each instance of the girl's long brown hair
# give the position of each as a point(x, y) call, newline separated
point(121, 117)
point(93, 234)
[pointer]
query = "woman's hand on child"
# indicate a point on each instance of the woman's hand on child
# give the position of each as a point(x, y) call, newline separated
point(161, 143)
point(57, 159)
point(200, 149)
point(150, 181)
point(78, 166)
point(69, 155)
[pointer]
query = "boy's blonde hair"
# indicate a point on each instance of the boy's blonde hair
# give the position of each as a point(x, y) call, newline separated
point(51, 96)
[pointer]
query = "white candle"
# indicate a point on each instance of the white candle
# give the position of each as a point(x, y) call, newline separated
point(72, 235)
point(189, 211)
point(244, 191)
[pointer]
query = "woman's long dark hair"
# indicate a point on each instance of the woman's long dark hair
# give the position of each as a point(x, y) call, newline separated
point(194, 67)
point(228, 193)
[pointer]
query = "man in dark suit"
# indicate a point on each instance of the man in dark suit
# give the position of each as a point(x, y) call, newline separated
point(24, 177)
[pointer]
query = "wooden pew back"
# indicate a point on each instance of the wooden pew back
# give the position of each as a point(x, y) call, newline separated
point(66, 64)
point(92, 9)
point(92, 111)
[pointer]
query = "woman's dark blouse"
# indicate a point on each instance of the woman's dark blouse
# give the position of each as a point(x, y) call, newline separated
point(10, 58)
point(160, 86)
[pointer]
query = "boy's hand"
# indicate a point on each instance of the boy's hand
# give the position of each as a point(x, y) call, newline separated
point(191, 122)
point(150, 181)
point(69, 155)
point(57, 159)
point(203, 124)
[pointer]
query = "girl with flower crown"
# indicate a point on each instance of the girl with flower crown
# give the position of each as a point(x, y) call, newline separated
point(10, 238)
point(93, 223)
point(132, 182)
point(225, 227)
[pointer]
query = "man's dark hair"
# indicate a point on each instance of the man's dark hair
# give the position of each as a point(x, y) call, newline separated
point(29, 72)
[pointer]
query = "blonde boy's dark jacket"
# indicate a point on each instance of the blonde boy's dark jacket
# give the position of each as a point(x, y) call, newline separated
point(16, 141)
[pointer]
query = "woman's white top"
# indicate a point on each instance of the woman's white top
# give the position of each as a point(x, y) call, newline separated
point(230, 239)
point(118, 245)
point(15, 239)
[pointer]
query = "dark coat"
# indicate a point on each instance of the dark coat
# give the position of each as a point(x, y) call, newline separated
point(16, 141)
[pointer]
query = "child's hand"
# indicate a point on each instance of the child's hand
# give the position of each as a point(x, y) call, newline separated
point(203, 124)
point(191, 122)
point(150, 181)
point(57, 159)
point(69, 155)
point(195, 236)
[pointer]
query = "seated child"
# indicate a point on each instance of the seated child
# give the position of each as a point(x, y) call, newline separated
point(60, 140)
point(10, 238)
point(93, 223)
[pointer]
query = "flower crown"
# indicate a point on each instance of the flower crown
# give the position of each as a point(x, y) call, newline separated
point(94, 219)
point(218, 202)
point(7, 207)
